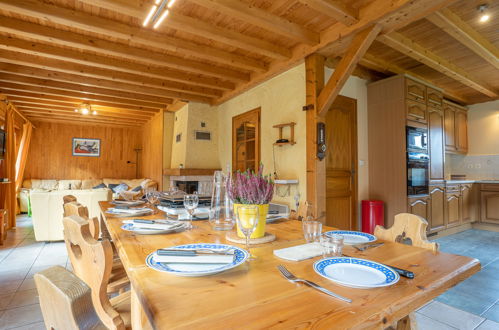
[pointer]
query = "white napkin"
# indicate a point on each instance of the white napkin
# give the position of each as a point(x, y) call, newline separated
point(157, 225)
point(299, 252)
point(203, 259)
point(129, 211)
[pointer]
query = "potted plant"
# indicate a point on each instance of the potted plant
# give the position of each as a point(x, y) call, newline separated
point(250, 188)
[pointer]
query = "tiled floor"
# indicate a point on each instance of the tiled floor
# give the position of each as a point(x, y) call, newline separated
point(473, 304)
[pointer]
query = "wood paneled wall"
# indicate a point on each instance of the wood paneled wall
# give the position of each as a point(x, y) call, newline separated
point(50, 154)
point(151, 165)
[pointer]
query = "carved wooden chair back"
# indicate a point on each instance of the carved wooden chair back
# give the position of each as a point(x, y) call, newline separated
point(75, 208)
point(405, 227)
point(69, 199)
point(65, 300)
point(92, 261)
point(304, 210)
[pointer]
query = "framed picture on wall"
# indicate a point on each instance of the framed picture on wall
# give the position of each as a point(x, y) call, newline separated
point(86, 147)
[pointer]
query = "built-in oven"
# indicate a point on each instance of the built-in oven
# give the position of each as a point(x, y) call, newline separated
point(417, 173)
point(417, 139)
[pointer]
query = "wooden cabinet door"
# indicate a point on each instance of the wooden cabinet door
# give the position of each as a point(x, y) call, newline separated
point(437, 149)
point(437, 207)
point(416, 111)
point(489, 201)
point(468, 213)
point(461, 127)
point(415, 90)
point(452, 209)
point(450, 128)
point(246, 141)
point(435, 98)
point(419, 206)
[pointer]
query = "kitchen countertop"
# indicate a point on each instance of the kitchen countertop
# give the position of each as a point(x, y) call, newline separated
point(470, 181)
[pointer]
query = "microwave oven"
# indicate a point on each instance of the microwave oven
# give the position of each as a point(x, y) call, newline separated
point(417, 139)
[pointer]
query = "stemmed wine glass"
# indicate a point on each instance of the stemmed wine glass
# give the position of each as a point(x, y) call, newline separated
point(152, 197)
point(191, 201)
point(247, 221)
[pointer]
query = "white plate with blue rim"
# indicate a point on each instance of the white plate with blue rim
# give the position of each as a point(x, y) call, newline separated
point(356, 273)
point(190, 269)
point(174, 226)
point(353, 237)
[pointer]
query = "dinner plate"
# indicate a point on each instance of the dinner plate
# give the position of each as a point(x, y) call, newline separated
point(353, 237)
point(356, 273)
point(140, 212)
point(129, 203)
point(128, 225)
point(178, 269)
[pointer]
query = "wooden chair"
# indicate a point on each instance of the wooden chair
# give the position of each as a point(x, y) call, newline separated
point(405, 227)
point(92, 261)
point(75, 208)
point(68, 199)
point(65, 300)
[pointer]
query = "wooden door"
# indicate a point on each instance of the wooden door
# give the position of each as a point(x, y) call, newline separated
point(341, 164)
point(461, 131)
point(246, 141)
point(467, 203)
point(489, 206)
point(437, 206)
point(419, 206)
point(450, 127)
point(452, 208)
point(437, 150)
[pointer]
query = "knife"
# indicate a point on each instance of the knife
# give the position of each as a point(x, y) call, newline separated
point(402, 272)
point(193, 253)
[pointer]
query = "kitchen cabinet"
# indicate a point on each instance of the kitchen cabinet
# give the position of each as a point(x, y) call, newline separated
point(437, 219)
point(456, 128)
point(419, 205)
point(468, 203)
point(489, 203)
point(435, 98)
point(452, 209)
point(436, 143)
point(416, 111)
point(415, 90)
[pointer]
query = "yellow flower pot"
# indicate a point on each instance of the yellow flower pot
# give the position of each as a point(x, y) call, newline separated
point(259, 232)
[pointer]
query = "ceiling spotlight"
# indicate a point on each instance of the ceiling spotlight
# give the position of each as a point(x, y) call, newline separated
point(484, 15)
point(94, 112)
point(84, 108)
point(84, 111)
point(76, 110)
point(158, 12)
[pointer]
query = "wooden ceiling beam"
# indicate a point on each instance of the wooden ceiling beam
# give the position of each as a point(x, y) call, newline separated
point(360, 71)
point(66, 38)
point(189, 83)
point(71, 114)
point(375, 63)
point(175, 21)
point(183, 65)
point(67, 86)
point(388, 13)
point(465, 34)
point(357, 49)
point(47, 97)
point(261, 18)
point(95, 82)
point(64, 108)
point(84, 123)
point(335, 9)
point(129, 33)
point(7, 87)
point(413, 50)
point(75, 120)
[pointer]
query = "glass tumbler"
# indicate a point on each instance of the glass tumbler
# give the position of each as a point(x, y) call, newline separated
point(311, 230)
point(332, 246)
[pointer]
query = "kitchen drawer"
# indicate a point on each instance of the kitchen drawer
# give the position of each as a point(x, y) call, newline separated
point(489, 186)
point(415, 91)
point(416, 111)
point(452, 188)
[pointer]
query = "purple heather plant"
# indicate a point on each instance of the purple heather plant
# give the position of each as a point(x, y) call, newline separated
point(250, 188)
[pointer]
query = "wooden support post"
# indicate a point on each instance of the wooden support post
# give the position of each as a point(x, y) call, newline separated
point(316, 188)
point(356, 50)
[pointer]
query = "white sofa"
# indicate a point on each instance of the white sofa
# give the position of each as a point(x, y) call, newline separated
point(46, 198)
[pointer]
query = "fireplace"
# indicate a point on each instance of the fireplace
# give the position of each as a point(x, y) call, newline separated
point(188, 186)
point(190, 183)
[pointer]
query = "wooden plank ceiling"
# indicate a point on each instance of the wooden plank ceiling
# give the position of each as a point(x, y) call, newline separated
point(56, 54)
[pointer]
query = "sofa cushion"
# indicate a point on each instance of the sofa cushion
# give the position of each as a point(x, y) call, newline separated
point(119, 188)
point(99, 186)
point(89, 184)
point(138, 188)
point(27, 184)
point(44, 184)
point(108, 181)
point(133, 182)
point(69, 184)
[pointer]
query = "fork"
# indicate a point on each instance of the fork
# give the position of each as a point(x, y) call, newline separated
point(290, 277)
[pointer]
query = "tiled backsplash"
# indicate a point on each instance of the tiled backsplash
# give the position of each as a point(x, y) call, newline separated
point(475, 167)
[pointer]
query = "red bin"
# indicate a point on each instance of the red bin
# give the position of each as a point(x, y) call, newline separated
point(373, 214)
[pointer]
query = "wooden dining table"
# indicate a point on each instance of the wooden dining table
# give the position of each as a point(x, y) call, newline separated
point(256, 296)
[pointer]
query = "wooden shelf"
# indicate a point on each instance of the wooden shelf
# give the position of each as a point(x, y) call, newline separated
point(188, 171)
point(292, 134)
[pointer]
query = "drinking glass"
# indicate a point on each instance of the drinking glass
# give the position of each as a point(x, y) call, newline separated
point(247, 220)
point(191, 201)
point(311, 230)
point(332, 246)
point(152, 197)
